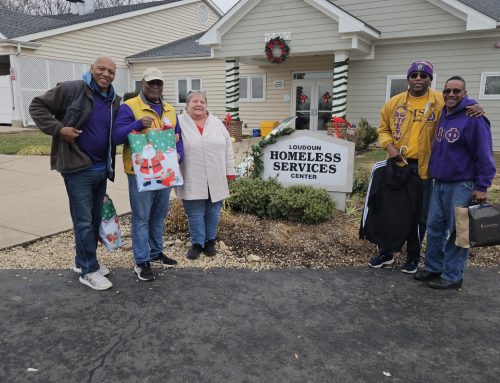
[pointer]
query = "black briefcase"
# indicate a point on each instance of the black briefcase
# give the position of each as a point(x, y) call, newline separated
point(484, 225)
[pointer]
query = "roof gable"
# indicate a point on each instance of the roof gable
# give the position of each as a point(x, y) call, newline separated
point(473, 12)
point(347, 22)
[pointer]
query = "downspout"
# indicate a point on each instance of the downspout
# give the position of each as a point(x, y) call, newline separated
point(16, 96)
point(129, 74)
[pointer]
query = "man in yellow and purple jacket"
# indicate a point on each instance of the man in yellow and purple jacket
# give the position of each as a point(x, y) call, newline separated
point(407, 126)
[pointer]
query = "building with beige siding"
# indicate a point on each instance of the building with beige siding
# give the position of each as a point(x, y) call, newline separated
point(38, 52)
point(372, 43)
point(347, 57)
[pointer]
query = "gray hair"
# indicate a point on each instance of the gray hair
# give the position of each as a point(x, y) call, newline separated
point(193, 93)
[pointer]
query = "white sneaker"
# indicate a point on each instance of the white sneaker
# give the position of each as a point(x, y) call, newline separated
point(96, 281)
point(103, 270)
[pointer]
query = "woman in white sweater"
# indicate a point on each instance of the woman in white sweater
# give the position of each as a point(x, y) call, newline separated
point(208, 164)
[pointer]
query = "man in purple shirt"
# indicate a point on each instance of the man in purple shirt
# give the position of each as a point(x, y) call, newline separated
point(79, 117)
point(463, 168)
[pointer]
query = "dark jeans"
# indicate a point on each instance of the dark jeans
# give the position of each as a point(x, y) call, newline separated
point(86, 190)
point(417, 233)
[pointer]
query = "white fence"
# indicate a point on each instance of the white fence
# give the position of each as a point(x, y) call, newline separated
point(37, 75)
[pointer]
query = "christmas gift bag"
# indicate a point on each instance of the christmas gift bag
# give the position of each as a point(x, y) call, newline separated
point(154, 158)
point(109, 230)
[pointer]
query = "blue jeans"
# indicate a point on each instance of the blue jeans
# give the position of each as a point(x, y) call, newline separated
point(442, 255)
point(203, 218)
point(86, 190)
point(149, 209)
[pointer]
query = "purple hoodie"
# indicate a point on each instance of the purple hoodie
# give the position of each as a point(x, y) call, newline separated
point(462, 148)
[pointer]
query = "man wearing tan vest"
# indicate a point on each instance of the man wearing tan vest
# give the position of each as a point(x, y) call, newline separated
point(149, 208)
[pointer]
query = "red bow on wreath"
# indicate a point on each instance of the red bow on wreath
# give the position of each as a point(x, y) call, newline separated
point(326, 97)
point(337, 122)
point(303, 99)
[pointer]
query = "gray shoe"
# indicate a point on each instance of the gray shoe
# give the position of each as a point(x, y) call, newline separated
point(96, 281)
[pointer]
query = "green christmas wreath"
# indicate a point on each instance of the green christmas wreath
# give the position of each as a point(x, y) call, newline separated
point(277, 50)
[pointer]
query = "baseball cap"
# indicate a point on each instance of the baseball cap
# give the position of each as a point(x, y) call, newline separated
point(421, 66)
point(151, 74)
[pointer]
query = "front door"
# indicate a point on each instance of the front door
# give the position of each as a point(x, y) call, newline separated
point(313, 104)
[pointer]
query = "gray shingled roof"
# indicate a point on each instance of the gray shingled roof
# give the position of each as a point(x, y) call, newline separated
point(186, 47)
point(490, 8)
point(16, 24)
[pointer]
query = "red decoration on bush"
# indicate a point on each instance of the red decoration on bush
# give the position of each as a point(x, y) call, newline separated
point(337, 122)
point(274, 45)
point(303, 98)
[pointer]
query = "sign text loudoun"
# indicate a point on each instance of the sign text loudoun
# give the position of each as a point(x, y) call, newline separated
point(310, 158)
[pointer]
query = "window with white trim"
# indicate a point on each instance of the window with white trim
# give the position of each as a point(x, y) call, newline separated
point(253, 88)
point(399, 84)
point(490, 85)
point(184, 85)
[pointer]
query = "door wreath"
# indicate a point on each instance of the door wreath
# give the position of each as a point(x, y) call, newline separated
point(277, 50)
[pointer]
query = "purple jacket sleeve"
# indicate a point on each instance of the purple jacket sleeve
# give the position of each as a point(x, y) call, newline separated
point(480, 143)
point(179, 145)
point(125, 122)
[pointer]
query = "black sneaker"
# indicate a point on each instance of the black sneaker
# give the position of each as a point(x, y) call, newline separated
point(209, 248)
point(164, 261)
point(381, 260)
point(144, 271)
point(410, 266)
point(194, 252)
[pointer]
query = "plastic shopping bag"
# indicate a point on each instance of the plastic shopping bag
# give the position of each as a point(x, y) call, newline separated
point(109, 230)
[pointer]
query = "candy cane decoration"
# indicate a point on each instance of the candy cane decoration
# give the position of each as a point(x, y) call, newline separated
point(233, 89)
point(339, 93)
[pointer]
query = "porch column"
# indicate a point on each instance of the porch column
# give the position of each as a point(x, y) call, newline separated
point(233, 89)
point(339, 91)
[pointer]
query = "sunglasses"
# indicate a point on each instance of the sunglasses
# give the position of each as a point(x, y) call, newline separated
point(455, 91)
point(423, 76)
point(154, 83)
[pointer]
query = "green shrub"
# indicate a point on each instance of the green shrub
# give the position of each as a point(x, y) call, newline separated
point(302, 204)
point(252, 195)
point(361, 181)
point(364, 135)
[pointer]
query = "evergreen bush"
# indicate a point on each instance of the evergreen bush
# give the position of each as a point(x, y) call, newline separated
point(301, 203)
point(252, 195)
point(364, 135)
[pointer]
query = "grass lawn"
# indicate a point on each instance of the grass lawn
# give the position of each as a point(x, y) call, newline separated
point(15, 142)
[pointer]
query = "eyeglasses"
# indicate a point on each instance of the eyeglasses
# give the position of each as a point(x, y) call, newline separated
point(155, 83)
point(455, 91)
point(423, 76)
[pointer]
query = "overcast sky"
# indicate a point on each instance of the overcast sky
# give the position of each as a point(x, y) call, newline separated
point(225, 5)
